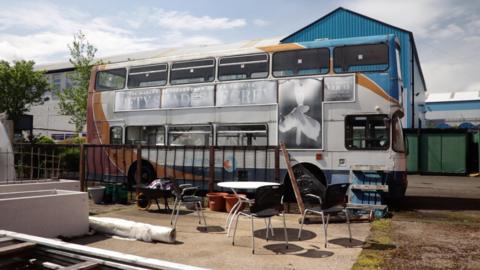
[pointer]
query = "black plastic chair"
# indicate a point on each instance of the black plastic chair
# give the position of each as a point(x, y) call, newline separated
point(331, 202)
point(268, 202)
point(185, 194)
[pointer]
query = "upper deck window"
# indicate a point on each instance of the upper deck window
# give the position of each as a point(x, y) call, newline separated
point(147, 76)
point(196, 71)
point(112, 79)
point(367, 132)
point(243, 67)
point(301, 62)
point(370, 57)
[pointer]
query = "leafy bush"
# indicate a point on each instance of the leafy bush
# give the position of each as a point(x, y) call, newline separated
point(70, 159)
point(43, 140)
point(74, 140)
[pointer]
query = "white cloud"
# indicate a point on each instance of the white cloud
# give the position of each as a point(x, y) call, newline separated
point(181, 20)
point(41, 31)
point(413, 15)
point(185, 21)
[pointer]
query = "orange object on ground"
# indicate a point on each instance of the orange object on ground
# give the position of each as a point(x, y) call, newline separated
point(216, 202)
point(231, 200)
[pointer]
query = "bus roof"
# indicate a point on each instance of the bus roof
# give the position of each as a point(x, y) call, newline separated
point(244, 47)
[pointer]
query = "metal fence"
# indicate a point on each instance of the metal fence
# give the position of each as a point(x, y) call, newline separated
point(138, 164)
point(40, 162)
point(203, 166)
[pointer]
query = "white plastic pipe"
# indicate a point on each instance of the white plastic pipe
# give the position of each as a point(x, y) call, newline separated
point(134, 230)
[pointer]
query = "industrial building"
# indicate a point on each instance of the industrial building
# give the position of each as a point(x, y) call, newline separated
point(340, 23)
point(453, 109)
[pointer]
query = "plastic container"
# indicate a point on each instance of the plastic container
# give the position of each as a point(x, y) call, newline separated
point(96, 193)
point(216, 202)
point(231, 200)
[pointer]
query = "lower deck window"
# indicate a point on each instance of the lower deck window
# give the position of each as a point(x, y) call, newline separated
point(190, 135)
point(242, 135)
point(145, 135)
point(116, 135)
point(367, 132)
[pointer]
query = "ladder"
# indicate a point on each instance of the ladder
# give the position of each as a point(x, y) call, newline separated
point(367, 185)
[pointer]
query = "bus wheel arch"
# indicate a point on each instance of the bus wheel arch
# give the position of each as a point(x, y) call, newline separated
point(148, 173)
point(298, 171)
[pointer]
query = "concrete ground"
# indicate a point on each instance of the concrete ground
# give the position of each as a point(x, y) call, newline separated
point(443, 186)
point(214, 250)
point(431, 192)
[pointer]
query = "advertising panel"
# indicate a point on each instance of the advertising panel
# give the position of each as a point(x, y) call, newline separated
point(131, 100)
point(340, 89)
point(246, 93)
point(300, 113)
point(188, 96)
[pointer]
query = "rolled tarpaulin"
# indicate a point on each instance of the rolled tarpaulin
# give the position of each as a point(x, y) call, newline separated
point(134, 230)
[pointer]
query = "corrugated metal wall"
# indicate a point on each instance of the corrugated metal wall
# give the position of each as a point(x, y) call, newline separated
point(343, 24)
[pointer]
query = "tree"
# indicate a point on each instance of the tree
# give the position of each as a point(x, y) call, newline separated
point(20, 87)
point(73, 100)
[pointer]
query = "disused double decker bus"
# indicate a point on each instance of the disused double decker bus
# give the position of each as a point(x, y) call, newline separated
point(335, 104)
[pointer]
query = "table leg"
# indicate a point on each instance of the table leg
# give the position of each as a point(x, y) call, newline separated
point(231, 214)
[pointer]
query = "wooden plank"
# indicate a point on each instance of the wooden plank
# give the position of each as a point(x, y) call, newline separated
point(365, 206)
point(16, 248)
point(82, 266)
point(293, 180)
point(383, 188)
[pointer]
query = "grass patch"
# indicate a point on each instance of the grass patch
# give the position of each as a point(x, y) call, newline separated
point(377, 246)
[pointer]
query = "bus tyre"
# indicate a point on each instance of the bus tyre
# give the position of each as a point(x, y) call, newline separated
point(147, 175)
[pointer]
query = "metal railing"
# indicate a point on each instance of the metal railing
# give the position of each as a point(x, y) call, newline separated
point(137, 164)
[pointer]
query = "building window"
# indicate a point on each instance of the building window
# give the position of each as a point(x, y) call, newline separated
point(112, 79)
point(367, 132)
point(243, 67)
point(190, 135)
point(145, 135)
point(197, 71)
point(116, 135)
point(147, 76)
point(371, 57)
point(301, 62)
point(242, 135)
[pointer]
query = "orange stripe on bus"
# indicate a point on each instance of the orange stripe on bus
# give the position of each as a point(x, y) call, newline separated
point(372, 86)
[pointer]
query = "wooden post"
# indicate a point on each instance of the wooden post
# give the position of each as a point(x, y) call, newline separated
point(211, 170)
point(138, 172)
point(81, 169)
point(293, 180)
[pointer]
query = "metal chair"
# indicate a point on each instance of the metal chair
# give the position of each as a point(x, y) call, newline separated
point(185, 195)
point(268, 202)
point(331, 202)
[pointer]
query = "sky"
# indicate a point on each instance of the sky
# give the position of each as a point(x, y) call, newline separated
point(447, 32)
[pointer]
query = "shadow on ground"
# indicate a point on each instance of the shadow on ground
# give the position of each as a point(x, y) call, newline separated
point(345, 242)
point(279, 234)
